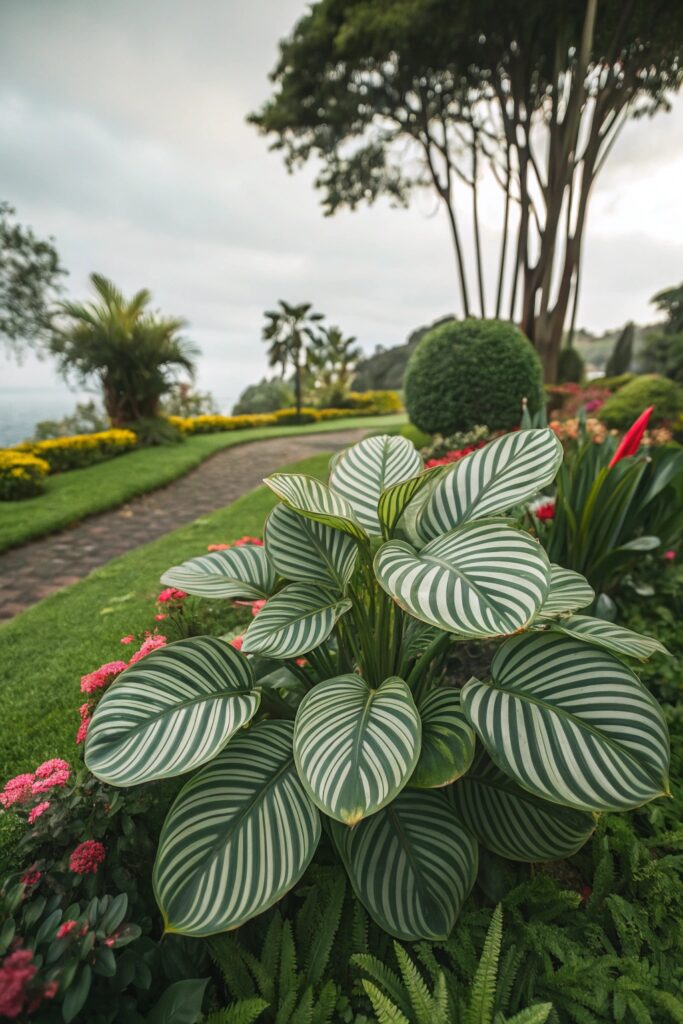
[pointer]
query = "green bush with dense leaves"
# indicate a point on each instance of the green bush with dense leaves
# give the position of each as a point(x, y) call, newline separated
point(472, 371)
point(570, 366)
point(266, 396)
point(626, 405)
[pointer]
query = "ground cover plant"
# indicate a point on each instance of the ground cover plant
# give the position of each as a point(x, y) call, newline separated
point(371, 580)
point(70, 497)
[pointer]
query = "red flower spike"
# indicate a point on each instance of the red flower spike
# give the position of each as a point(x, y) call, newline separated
point(630, 442)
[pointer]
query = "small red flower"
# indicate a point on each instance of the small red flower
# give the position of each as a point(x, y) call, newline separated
point(37, 811)
point(87, 857)
point(237, 642)
point(16, 973)
point(66, 929)
point(630, 442)
point(127, 639)
point(545, 511)
point(31, 877)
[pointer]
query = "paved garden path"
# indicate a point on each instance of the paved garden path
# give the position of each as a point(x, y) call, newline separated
point(41, 567)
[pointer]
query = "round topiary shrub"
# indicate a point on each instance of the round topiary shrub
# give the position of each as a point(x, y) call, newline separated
point(472, 372)
point(570, 368)
point(625, 405)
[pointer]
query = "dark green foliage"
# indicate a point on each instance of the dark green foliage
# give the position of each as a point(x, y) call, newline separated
point(387, 367)
point(154, 430)
point(570, 367)
point(184, 401)
point(266, 396)
point(624, 407)
point(87, 418)
point(615, 383)
point(620, 358)
point(472, 372)
point(670, 301)
point(663, 353)
point(288, 330)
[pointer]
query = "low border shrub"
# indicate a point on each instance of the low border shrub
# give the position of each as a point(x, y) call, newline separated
point(80, 450)
point(21, 475)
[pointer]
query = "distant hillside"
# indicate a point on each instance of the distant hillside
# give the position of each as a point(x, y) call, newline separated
point(595, 349)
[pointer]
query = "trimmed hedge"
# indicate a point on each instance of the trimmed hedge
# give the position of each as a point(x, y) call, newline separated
point(21, 475)
point(371, 403)
point(80, 450)
point(625, 405)
point(472, 372)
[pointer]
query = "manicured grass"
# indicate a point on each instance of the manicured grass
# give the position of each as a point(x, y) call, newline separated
point(47, 649)
point(72, 496)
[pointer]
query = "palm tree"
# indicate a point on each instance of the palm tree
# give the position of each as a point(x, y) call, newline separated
point(289, 330)
point(135, 354)
point(332, 359)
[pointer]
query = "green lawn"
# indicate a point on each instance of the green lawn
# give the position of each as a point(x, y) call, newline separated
point(72, 496)
point(48, 648)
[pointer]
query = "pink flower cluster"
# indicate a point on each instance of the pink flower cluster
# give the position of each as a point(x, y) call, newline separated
point(152, 642)
point(17, 998)
point(172, 595)
point(87, 857)
point(236, 544)
point(454, 456)
point(102, 676)
point(21, 788)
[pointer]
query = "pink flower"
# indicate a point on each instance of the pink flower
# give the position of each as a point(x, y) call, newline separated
point(84, 710)
point(217, 547)
point(50, 990)
point(127, 639)
point(38, 810)
point(160, 617)
point(16, 972)
point(66, 929)
point(31, 877)
point(102, 676)
point(237, 642)
point(83, 730)
point(670, 555)
point(111, 939)
point(49, 774)
point(257, 606)
point(171, 594)
point(153, 642)
point(17, 790)
point(87, 857)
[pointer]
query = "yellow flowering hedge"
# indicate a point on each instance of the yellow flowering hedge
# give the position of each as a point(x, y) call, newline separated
point(21, 475)
point(80, 449)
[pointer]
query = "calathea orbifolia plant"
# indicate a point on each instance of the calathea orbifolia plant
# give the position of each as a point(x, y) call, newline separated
point(372, 578)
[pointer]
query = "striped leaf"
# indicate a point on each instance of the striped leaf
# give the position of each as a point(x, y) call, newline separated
point(447, 740)
point(394, 501)
point(513, 823)
point(569, 590)
point(239, 835)
point(495, 478)
point(412, 865)
point(366, 469)
point(571, 724)
point(304, 550)
point(613, 638)
point(314, 499)
point(172, 711)
point(294, 621)
point(240, 573)
point(483, 580)
point(354, 747)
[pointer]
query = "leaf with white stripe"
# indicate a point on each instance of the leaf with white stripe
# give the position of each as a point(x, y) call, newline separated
point(613, 638)
point(304, 550)
point(513, 823)
point(394, 501)
point(492, 479)
point(366, 469)
point(412, 865)
point(356, 747)
point(243, 573)
point(571, 724)
point(569, 590)
point(314, 499)
point(296, 620)
point(239, 835)
point(172, 711)
point(482, 580)
point(447, 740)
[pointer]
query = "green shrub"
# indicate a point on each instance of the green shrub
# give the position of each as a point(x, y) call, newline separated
point(570, 367)
point(469, 372)
point(622, 408)
point(383, 403)
point(266, 396)
point(621, 355)
point(663, 353)
point(614, 383)
point(417, 436)
point(22, 475)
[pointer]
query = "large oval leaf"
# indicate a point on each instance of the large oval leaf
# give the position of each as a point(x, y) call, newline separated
point(304, 550)
point(243, 573)
point(294, 621)
point(613, 638)
point(366, 469)
point(412, 865)
point(172, 711)
point(483, 580)
point(239, 835)
point(394, 501)
point(568, 591)
point(513, 823)
point(354, 747)
point(314, 499)
point(571, 724)
point(447, 740)
point(493, 479)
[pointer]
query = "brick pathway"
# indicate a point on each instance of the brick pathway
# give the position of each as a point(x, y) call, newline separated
point(41, 567)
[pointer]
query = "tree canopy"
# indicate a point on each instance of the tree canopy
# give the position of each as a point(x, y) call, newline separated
point(393, 95)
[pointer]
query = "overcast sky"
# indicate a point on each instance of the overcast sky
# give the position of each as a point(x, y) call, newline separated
point(122, 133)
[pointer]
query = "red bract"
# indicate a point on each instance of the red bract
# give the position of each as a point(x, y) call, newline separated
point(630, 442)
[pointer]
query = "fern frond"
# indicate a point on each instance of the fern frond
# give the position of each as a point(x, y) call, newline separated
point(383, 976)
point(418, 993)
point(385, 1011)
point(321, 947)
point(289, 979)
point(359, 928)
point(304, 1011)
point(480, 1009)
point(325, 1004)
point(225, 953)
point(246, 1011)
point(532, 1015)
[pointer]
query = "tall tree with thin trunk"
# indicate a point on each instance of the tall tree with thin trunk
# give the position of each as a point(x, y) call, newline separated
point(289, 331)
point(393, 95)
